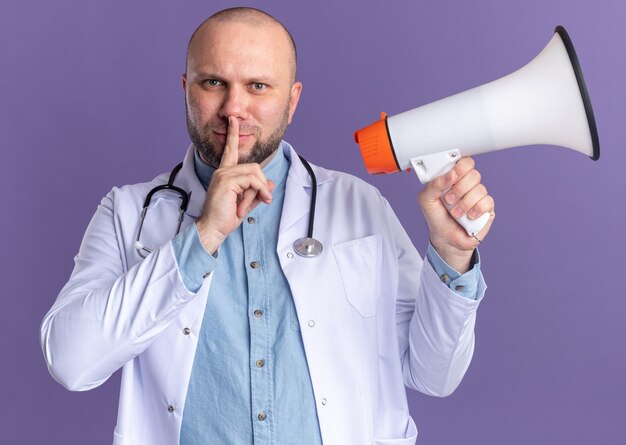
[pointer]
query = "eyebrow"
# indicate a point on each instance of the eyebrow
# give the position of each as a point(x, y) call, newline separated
point(251, 79)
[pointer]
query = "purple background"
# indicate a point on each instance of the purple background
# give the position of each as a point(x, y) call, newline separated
point(90, 97)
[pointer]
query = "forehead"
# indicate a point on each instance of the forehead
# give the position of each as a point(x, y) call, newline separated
point(240, 49)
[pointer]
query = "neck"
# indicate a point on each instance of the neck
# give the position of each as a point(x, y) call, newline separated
point(269, 158)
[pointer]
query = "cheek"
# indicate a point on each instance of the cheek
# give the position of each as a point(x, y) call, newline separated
point(270, 114)
point(199, 110)
point(192, 110)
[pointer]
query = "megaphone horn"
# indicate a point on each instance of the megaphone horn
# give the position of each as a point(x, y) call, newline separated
point(543, 103)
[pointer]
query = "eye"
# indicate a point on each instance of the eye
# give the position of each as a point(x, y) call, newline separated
point(258, 86)
point(212, 83)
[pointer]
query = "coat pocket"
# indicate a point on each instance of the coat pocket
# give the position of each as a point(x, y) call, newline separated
point(359, 266)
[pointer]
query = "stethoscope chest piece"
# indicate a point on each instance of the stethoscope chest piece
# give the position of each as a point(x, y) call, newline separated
point(308, 247)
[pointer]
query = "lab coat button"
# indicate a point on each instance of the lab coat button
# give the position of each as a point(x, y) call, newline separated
point(258, 313)
point(186, 331)
point(262, 416)
point(255, 264)
point(323, 401)
point(251, 220)
point(311, 323)
point(459, 288)
point(260, 363)
point(445, 278)
point(170, 408)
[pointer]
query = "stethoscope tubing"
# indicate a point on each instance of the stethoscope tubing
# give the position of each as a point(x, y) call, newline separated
point(309, 247)
point(306, 247)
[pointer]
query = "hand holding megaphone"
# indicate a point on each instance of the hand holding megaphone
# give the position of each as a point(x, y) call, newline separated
point(543, 103)
point(471, 197)
point(471, 226)
point(460, 194)
point(476, 193)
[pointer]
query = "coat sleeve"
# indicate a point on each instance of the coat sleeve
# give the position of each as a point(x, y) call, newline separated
point(105, 315)
point(435, 326)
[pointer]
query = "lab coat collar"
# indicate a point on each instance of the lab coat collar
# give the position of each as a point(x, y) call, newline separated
point(300, 174)
point(297, 193)
point(297, 199)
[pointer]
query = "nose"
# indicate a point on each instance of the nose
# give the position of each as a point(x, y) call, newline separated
point(234, 103)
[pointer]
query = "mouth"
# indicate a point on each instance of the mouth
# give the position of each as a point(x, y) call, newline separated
point(222, 136)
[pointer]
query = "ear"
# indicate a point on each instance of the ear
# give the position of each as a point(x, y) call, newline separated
point(184, 81)
point(294, 98)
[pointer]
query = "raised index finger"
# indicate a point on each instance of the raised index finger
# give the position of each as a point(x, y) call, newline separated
point(230, 156)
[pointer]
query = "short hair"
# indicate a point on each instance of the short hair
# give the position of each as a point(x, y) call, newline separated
point(250, 16)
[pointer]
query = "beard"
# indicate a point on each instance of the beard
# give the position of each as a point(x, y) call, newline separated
point(260, 151)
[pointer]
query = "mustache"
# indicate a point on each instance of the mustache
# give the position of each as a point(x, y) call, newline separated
point(244, 129)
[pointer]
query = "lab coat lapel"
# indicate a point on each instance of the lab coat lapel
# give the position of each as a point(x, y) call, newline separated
point(297, 204)
point(297, 193)
point(188, 180)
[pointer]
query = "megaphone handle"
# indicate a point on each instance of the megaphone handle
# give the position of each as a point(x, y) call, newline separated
point(427, 167)
point(471, 226)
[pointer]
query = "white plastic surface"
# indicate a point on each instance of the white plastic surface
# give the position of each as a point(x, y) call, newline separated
point(428, 167)
point(539, 104)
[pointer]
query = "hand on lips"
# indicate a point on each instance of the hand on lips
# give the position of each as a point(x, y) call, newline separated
point(235, 190)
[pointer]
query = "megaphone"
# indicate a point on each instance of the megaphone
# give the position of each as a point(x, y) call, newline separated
point(545, 102)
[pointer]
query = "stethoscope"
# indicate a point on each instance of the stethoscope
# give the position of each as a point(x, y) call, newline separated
point(307, 247)
point(142, 249)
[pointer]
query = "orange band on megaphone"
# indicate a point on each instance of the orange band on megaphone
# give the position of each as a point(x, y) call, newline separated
point(376, 149)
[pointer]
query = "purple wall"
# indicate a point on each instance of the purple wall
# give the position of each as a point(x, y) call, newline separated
point(90, 97)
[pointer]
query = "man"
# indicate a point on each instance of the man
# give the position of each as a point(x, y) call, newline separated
point(223, 332)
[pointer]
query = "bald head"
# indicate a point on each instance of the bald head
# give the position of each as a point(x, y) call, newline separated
point(241, 63)
point(248, 16)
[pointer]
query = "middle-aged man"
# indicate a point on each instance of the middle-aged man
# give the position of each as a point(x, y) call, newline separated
point(224, 333)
